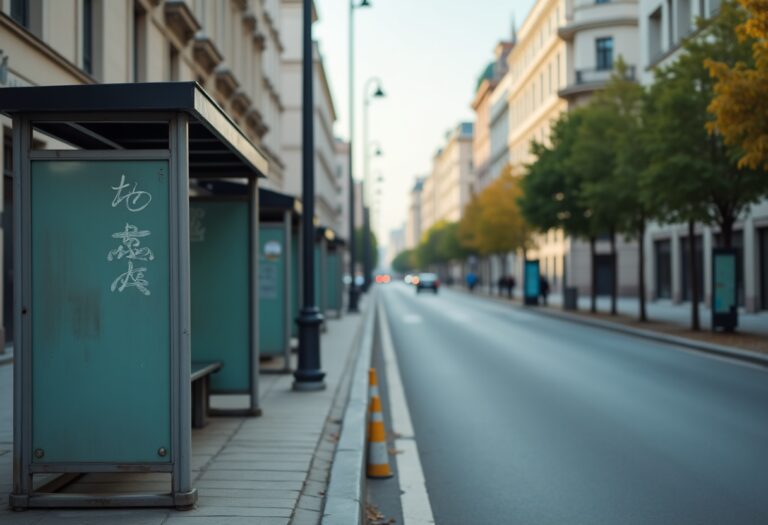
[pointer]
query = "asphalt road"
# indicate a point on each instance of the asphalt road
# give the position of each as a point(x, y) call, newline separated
point(520, 418)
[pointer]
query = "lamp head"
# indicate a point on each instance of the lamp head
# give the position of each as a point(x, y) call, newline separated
point(379, 93)
point(378, 152)
point(364, 3)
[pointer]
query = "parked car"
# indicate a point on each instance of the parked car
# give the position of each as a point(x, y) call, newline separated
point(426, 281)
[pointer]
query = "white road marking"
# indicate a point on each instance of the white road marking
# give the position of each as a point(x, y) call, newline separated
point(415, 501)
point(412, 319)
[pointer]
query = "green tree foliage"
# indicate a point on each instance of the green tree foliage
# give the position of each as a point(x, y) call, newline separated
point(440, 245)
point(360, 247)
point(610, 151)
point(493, 222)
point(553, 190)
point(404, 262)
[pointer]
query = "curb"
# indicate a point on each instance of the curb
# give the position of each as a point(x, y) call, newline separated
point(345, 495)
point(691, 344)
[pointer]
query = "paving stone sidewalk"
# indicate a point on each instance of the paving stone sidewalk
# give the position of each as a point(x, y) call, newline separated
point(271, 470)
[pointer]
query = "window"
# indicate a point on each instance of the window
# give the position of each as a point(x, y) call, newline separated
point(549, 76)
point(88, 36)
point(670, 27)
point(139, 44)
point(20, 12)
point(663, 262)
point(604, 48)
point(654, 35)
point(684, 18)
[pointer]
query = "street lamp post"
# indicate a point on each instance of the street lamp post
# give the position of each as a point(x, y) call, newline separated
point(308, 375)
point(353, 292)
point(367, 241)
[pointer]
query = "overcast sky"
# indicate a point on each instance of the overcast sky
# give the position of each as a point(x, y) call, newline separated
point(428, 54)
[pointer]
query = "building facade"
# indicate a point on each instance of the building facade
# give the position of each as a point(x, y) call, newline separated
point(663, 26)
point(482, 105)
point(449, 187)
point(413, 220)
point(328, 184)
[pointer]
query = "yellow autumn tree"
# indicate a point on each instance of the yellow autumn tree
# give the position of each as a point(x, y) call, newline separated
point(493, 222)
point(740, 104)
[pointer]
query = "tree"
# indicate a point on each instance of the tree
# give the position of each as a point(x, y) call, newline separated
point(740, 104)
point(611, 153)
point(360, 247)
point(553, 189)
point(404, 262)
point(693, 175)
point(493, 223)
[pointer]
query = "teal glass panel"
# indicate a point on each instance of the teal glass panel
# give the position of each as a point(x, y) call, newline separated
point(333, 280)
point(532, 278)
point(725, 282)
point(220, 279)
point(100, 311)
point(319, 281)
point(272, 294)
point(295, 283)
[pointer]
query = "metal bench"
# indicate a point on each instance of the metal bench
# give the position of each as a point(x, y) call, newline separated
point(201, 375)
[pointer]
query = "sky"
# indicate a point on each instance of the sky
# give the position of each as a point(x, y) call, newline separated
point(428, 55)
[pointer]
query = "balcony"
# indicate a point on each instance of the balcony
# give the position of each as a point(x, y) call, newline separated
point(589, 80)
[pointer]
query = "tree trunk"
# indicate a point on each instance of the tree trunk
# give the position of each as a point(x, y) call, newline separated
point(726, 231)
point(614, 271)
point(641, 270)
point(593, 276)
point(503, 261)
point(694, 278)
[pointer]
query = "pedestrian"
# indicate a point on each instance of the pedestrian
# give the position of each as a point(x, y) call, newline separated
point(471, 281)
point(511, 283)
point(544, 289)
point(502, 283)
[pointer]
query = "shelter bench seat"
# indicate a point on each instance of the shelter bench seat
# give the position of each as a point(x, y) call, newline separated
point(201, 375)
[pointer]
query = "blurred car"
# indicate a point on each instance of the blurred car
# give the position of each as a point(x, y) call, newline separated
point(408, 279)
point(383, 278)
point(426, 281)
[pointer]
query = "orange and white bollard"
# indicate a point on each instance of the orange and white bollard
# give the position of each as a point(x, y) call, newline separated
point(373, 384)
point(378, 457)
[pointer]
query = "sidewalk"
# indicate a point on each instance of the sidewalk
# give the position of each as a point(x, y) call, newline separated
point(269, 470)
point(667, 311)
point(667, 322)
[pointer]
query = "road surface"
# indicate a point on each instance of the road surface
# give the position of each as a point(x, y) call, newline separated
point(521, 418)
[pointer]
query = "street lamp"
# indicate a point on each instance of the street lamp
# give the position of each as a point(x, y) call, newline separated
point(368, 95)
point(308, 375)
point(353, 292)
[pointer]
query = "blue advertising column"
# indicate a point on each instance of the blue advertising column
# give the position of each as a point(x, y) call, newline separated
point(531, 282)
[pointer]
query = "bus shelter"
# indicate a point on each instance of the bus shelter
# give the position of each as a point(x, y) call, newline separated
point(225, 311)
point(324, 236)
point(102, 279)
point(334, 269)
point(279, 283)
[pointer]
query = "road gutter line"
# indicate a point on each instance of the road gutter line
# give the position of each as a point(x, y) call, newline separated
point(417, 509)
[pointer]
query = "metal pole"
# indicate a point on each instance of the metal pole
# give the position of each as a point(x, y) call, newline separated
point(308, 375)
point(366, 197)
point(353, 293)
point(367, 260)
